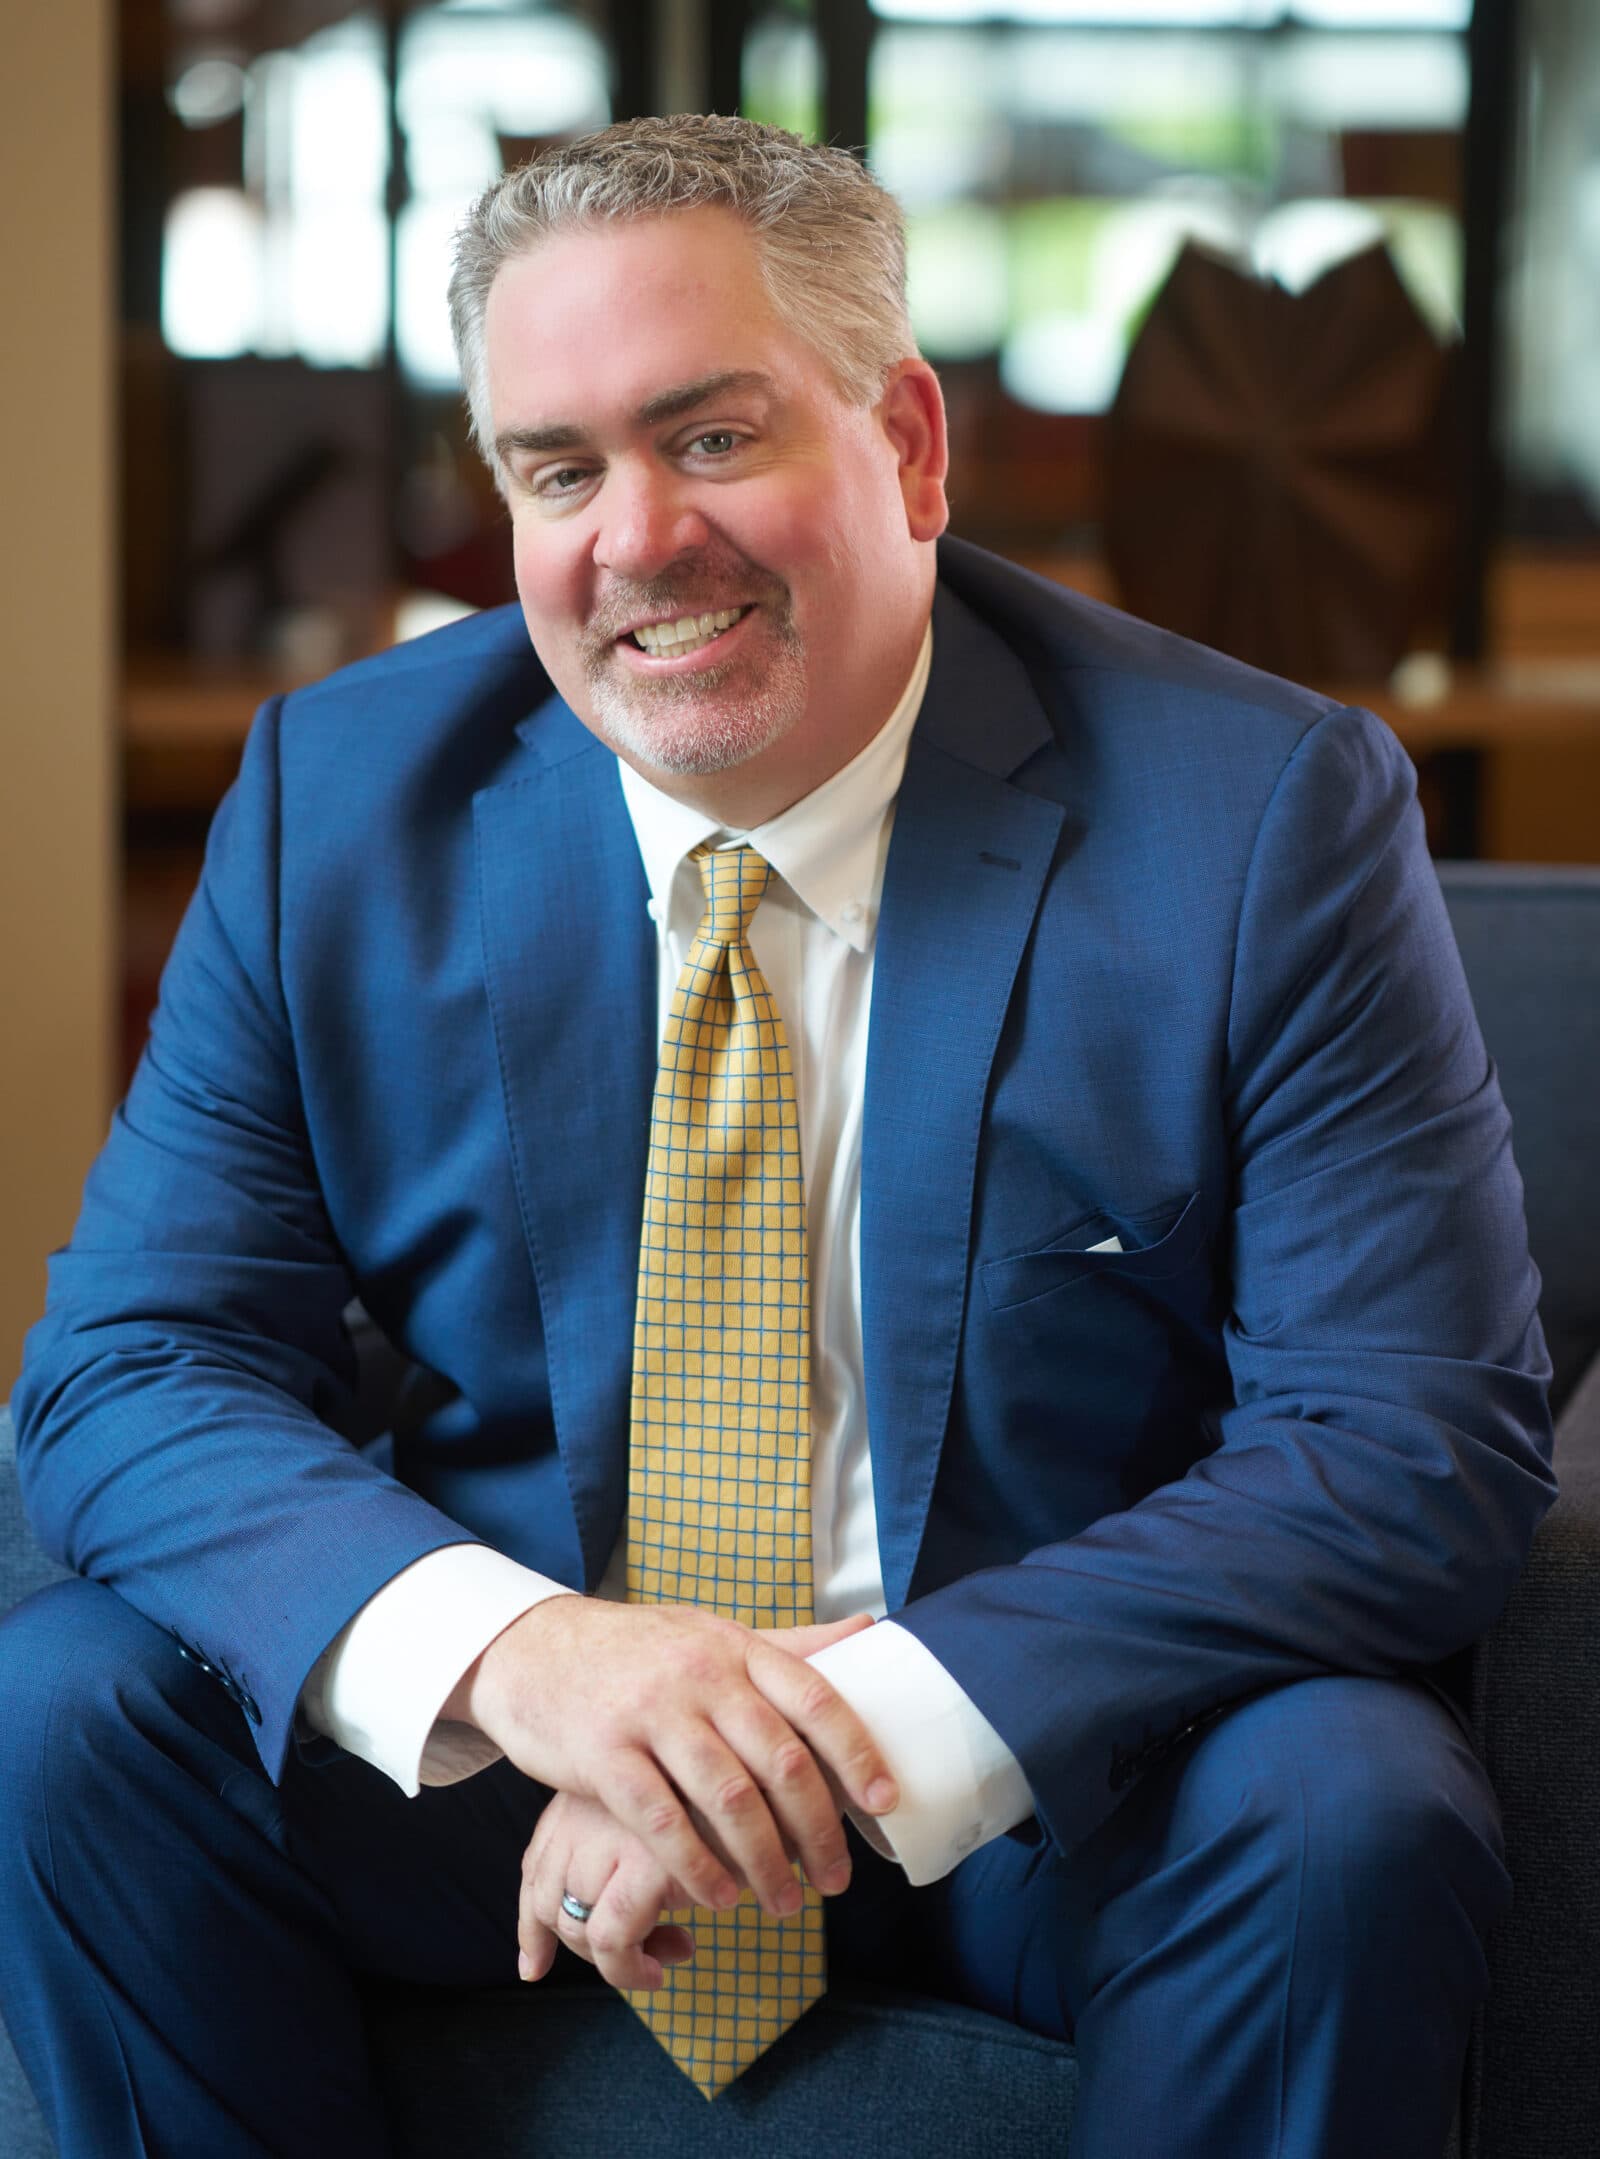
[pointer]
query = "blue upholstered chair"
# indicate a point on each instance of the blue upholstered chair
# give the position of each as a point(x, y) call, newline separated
point(510, 2075)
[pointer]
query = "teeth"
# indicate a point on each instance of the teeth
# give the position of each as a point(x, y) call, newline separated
point(668, 640)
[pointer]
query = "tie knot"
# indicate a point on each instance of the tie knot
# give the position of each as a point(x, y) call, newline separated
point(734, 879)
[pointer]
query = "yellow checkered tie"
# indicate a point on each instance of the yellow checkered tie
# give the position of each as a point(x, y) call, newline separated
point(719, 1488)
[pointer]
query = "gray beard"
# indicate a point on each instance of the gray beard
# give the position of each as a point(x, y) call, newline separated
point(659, 723)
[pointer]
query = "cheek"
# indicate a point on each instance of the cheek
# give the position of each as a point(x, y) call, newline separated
point(552, 609)
point(543, 573)
point(812, 538)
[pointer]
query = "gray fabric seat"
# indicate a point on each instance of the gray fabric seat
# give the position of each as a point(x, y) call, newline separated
point(572, 2075)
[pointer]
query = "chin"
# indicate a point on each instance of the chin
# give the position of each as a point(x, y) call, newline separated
point(690, 743)
point(695, 730)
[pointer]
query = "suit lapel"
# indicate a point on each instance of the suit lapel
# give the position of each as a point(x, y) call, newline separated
point(967, 865)
point(570, 963)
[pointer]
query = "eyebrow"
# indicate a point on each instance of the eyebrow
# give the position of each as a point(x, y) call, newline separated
point(683, 397)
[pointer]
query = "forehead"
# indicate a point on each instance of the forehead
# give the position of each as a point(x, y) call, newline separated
point(602, 318)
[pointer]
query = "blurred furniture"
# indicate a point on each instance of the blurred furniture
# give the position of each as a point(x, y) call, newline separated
point(1280, 466)
point(574, 2074)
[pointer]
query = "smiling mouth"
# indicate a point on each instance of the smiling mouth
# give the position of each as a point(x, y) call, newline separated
point(689, 633)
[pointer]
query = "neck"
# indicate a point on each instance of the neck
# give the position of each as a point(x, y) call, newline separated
point(738, 799)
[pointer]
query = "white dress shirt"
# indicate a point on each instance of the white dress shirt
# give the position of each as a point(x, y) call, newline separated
point(378, 1689)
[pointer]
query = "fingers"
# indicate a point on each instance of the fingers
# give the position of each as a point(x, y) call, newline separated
point(799, 1804)
point(806, 1641)
point(623, 1937)
point(741, 1794)
point(836, 1736)
point(730, 1787)
point(638, 1795)
point(544, 1866)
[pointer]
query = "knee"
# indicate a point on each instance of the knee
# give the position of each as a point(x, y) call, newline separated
point(1362, 1794)
point(84, 1682)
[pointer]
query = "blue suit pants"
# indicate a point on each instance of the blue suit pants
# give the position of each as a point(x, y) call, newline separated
point(1274, 1945)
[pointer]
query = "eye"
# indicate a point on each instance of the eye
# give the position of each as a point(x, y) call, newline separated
point(716, 442)
point(564, 480)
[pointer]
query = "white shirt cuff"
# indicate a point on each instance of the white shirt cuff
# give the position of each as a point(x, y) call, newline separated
point(379, 1686)
point(960, 1784)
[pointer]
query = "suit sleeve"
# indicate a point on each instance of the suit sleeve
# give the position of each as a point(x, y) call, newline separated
point(179, 1408)
point(1366, 1501)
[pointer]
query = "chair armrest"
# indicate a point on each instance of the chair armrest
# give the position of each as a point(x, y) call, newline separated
point(1536, 1703)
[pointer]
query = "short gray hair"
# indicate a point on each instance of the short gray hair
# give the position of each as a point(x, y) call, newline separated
point(830, 240)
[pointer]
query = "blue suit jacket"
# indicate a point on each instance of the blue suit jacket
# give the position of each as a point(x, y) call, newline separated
point(1160, 954)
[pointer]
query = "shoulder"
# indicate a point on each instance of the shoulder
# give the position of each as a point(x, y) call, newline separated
point(1145, 729)
point(478, 660)
point(1090, 664)
point(447, 714)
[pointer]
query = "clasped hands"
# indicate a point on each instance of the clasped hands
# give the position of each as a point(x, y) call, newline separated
point(689, 1756)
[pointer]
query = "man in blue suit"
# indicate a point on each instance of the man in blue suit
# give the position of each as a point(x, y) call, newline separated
point(1176, 1382)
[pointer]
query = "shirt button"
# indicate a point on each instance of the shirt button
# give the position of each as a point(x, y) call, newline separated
point(966, 1840)
point(851, 911)
point(650, 910)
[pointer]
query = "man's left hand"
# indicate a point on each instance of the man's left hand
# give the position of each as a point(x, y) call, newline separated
point(579, 1848)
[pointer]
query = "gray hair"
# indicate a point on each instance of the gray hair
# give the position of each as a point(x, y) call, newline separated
point(830, 241)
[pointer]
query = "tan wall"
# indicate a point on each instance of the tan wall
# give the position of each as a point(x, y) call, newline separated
point(57, 492)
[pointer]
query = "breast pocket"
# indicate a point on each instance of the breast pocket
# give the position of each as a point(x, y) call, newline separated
point(1157, 1243)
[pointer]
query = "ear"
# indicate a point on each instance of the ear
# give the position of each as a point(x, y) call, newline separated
point(912, 415)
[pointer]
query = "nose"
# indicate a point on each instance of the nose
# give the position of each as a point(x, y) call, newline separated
point(647, 520)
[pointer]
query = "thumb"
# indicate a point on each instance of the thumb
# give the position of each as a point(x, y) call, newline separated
point(806, 1641)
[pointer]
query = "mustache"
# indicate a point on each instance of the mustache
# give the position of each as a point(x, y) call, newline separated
point(685, 592)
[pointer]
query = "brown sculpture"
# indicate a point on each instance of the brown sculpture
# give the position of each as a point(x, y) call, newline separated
point(1279, 467)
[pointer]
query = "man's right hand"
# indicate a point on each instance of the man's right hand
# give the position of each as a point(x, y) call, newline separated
point(714, 1744)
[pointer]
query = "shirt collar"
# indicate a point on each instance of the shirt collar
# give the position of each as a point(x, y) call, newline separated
point(828, 847)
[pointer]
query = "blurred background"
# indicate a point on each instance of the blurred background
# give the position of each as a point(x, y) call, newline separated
point(1276, 321)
